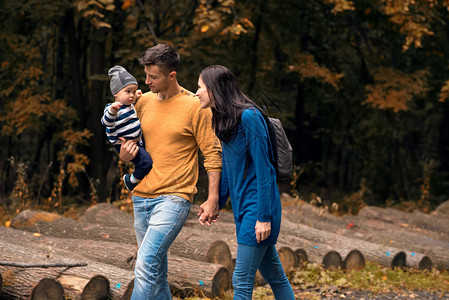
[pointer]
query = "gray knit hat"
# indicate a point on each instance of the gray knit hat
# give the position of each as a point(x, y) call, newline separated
point(120, 78)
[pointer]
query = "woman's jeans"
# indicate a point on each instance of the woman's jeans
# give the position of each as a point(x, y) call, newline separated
point(266, 259)
point(157, 222)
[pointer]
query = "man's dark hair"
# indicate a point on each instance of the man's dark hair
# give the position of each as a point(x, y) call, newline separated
point(161, 55)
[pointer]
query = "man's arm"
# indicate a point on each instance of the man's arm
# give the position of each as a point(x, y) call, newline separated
point(209, 210)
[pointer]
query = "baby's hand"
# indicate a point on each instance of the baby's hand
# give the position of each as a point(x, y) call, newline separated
point(115, 107)
point(138, 94)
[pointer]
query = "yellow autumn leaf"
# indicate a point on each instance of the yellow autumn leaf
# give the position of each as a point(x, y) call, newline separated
point(384, 277)
point(7, 223)
point(204, 28)
point(37, 234)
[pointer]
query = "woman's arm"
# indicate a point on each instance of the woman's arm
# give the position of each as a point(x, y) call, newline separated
point(257, 140)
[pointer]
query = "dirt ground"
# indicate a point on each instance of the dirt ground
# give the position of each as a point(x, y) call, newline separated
point(365, 295)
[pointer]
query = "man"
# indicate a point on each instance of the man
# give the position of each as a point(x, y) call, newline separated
point(174, 128)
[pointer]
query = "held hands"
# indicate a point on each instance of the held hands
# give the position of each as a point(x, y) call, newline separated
point(208, 212)
point(128, 149)
point(115, 107)
point(263, 231)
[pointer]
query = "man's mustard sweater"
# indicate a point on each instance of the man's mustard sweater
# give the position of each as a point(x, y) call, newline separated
point(174, 130)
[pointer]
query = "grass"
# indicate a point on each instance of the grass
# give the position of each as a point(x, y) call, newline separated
point(311, 281)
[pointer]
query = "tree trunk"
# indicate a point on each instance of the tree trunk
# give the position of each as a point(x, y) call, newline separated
point(374, 231)
point(213, 278)
point(416, 219)
point(442, 210)
point(108, 215)
point(19, 282)
point(59, 226)
point(119, 255)
point(382, 254)
point(99, 156)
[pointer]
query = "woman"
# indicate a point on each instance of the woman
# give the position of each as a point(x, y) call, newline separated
point(249, 178)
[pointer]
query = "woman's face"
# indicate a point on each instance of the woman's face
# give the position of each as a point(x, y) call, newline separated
point(202, 93)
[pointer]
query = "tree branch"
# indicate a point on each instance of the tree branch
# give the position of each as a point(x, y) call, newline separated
point(41, 265)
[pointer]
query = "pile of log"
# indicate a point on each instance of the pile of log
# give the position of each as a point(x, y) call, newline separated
point(49, 256)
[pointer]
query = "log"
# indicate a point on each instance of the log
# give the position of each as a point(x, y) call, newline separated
point(48, 289)
point(442, 210)
point(98, 288)
point(354, 260)
point(108, 215)
point(382, 254)
point(212, 280)
point(374, 231)
point(301, 256)
point(60, 226)
point(114, 254)
point(332, 259)
point(119, 255)
point(187, 245)
point(198, 245)
point(417, 218)
point(19, 282)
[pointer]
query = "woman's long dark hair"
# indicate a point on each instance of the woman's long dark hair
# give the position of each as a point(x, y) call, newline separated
point(229, 101)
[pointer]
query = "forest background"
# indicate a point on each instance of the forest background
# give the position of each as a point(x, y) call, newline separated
point(361, 87)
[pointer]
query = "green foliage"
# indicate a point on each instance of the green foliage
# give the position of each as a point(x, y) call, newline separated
point(373, 278)
point(360, 85)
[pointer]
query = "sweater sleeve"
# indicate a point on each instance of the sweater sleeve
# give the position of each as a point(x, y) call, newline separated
point(257, 140)
point(108, 119)
point(206, 138)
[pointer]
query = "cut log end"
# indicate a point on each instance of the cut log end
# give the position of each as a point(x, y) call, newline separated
point(96, 289)
point(129, 291)
point(30, 217)
point(301, 256)
point(399, 260)
point(354, 260)
point(288, 259)
point(221, 282)
point(48, 289)
point(425, 263)
point(219, 253)
point(332, 260)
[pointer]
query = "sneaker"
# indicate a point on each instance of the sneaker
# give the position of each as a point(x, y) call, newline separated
point(128, 183)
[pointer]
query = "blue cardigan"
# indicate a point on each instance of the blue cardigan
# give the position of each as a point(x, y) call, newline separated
point(255, 197)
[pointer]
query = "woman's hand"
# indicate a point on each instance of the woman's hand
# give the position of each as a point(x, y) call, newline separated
point(128, 149)
point(263, 230)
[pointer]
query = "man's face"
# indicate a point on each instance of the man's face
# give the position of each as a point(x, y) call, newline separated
point(157, 80)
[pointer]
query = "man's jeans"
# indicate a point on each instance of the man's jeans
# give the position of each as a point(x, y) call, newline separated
point(266, 259)
point(157, 222)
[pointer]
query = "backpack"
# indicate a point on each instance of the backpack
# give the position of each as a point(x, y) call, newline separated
point(282, 150)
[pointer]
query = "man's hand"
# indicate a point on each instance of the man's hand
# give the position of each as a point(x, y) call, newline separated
point(113, 109)
point(209, 211)
point(263, 230)
point(128, 149)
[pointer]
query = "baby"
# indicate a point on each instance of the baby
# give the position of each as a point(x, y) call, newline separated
point(120, 120)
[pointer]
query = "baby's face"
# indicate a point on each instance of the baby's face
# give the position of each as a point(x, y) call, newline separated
point(127, 95)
